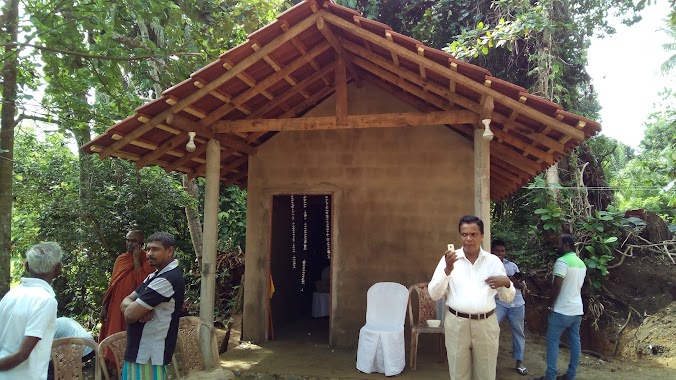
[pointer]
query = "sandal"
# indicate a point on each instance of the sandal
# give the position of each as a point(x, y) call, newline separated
point(521, 370)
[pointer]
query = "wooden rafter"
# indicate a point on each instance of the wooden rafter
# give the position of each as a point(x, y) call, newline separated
point(199, 151)
point(387, 120)
point(211, 86)
point(465, 81)
point(328, 34)
point(388, 70)
point(170, 144)
point(264, 84)
point(302, 49)
point(321, 74)
point(275, 66)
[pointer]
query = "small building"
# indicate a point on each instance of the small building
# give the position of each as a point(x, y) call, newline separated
point(360, 149)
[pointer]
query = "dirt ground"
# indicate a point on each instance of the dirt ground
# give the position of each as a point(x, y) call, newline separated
point(306, 357)
point(645, 347)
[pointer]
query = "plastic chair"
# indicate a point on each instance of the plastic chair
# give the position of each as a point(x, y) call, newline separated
point(427, 309)
point(116, 343)
point(381, 346)
point(67, 358)
point(188, 354)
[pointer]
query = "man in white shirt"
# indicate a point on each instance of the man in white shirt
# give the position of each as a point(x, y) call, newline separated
point(470, 278)
point(28, 317)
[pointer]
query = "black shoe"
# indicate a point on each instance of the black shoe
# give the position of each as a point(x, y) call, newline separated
point(563, 377)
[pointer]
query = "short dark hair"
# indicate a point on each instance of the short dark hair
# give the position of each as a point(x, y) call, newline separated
point(471, 219)
point(165, 238)
point(568, 239)
point(498, 242)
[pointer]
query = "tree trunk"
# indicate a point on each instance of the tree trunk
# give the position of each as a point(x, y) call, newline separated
point(191, 212)
point(193, 217)
point(7, 123)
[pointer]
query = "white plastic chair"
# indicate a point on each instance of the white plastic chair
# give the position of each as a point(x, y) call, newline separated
point(381, 345)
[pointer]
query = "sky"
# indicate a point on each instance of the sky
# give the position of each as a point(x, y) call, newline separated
point(625, 74)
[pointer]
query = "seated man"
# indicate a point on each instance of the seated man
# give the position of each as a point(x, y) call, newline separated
point(69, 328)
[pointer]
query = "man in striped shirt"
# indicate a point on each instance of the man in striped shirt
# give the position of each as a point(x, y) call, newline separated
point(152, 313)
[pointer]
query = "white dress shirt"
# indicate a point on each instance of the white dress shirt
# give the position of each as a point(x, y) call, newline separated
point(466, 286)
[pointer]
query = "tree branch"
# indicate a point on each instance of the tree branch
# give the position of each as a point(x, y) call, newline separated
point(23, 117)
point(94, 56)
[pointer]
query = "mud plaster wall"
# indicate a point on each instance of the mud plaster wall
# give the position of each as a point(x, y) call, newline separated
point(398, 195)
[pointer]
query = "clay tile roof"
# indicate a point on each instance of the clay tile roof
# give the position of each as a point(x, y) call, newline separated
point(287, 67)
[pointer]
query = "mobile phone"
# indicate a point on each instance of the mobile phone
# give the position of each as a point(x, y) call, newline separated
point(450, 247)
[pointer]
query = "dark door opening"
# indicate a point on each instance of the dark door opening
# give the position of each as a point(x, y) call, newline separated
point(300, 266)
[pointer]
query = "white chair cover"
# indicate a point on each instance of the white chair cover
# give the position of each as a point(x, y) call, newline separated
point(381, 345)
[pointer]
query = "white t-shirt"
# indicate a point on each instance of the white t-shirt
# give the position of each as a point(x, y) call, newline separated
point(69, 328)
point(28, 310)
point(573, 270)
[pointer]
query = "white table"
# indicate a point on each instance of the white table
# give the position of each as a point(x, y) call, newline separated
point(321, 303)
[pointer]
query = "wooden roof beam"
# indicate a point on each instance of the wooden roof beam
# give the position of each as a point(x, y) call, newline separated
point(333, 40)
point(172, 143)
point(225, 168)
point(393, 47)
point(265, 83)
point(423, 72)
point(307, 103)
point(395, 57)
point(275, 66)
point(302, 49)
point(211, 86)
point(388, 120)
point(231, 142)
point(222, 97)
point(509, 168)
point(199, 150)
point(362, 54)
point(401, 82)
point(321, 74)
point(515, 159)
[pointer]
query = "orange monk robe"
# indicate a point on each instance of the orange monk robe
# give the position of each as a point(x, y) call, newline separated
point(123, 281)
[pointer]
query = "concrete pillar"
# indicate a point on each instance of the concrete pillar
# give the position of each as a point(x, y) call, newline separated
point(210, 237)
point(482, 183)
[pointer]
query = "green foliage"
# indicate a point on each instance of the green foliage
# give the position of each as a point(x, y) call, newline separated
point(47, 206)
point(646, 181)
point(596, 233)
point(599, 237)
point(232, 219)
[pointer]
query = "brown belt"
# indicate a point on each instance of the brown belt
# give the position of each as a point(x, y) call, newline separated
point(471, 316)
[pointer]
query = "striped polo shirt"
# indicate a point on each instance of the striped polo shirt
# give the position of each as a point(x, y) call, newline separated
point(154, 341)
point(573, 270)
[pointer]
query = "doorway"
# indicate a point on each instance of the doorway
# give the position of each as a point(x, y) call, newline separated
point(300, 267)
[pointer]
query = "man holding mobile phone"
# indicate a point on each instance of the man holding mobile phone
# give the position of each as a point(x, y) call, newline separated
point(469, 278)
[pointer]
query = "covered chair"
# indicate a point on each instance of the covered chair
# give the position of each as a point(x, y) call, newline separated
point(116, 344)
point(188, 355)
point(67, 356)
point(381, 345)
point(426, 309)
